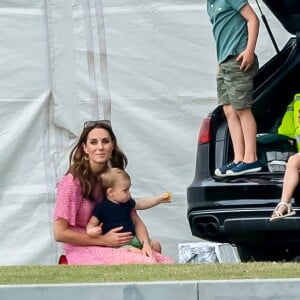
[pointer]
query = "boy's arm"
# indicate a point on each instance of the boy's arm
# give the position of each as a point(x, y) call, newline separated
point(149, 202)
point(94, 227)
point(247, 55)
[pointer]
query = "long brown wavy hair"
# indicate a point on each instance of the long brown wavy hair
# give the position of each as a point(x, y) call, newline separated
point(79, 167)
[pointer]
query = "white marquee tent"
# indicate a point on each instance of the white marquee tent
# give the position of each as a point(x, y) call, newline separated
point(147, 65)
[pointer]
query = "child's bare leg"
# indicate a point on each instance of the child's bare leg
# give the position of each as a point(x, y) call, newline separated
point(248, 125)
point(236, 133)
point(135, 250)
point(156, 246)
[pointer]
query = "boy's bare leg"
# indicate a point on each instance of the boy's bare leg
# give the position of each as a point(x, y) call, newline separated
point(156, 246)
point(236, 132)
point(136, 250)
point(249, 129)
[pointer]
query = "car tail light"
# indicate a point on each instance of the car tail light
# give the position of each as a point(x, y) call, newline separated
point(204, 133)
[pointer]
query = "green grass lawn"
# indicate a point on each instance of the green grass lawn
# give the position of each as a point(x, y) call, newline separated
point(127, 273)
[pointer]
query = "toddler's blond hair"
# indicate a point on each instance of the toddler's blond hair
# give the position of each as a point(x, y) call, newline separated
point(112, 176)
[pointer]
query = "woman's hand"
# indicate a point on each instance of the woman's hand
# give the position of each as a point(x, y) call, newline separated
point(64, 234)
point(115, 238)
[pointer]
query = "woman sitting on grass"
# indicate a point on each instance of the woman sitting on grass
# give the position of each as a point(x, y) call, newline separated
point(78, 192)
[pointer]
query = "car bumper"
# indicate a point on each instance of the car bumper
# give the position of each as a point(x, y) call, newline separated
point(245, 226)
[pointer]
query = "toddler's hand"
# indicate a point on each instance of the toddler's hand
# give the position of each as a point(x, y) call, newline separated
point(147, 250)
point(165, 197)
point(95, 231)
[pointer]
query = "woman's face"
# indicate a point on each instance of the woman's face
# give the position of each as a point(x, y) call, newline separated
point(98, 147)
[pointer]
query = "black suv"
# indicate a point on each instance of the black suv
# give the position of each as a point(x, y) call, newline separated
point(237, 209)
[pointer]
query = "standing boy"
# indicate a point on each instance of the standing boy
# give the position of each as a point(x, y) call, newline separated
point(235, 29)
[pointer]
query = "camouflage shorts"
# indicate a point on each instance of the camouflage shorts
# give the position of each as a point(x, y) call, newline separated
point(234, 86)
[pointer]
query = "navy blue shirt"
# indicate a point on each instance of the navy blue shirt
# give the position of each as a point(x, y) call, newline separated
point(113, 215)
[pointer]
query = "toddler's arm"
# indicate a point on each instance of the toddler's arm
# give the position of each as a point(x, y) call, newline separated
point(94, 227)
point(149, 202)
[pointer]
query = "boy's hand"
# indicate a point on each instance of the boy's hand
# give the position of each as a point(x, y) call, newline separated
point(218, 71)
point(147, 249)
point(165, 197)
point(95, 231)
point(152, 201)
point(246, 58)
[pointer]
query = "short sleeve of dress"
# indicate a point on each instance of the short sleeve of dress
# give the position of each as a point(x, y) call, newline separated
point(67, 199)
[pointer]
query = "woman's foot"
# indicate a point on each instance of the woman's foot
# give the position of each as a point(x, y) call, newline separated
point(282, 210)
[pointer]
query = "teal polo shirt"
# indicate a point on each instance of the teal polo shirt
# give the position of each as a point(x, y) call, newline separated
point(229, 27)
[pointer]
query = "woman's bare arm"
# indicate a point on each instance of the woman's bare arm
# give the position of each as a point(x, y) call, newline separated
point(64, 234)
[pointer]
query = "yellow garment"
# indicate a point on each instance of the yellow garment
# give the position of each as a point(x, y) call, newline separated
point(296, 110)
point(297, 119)
point(287, 126)
point(290, 124)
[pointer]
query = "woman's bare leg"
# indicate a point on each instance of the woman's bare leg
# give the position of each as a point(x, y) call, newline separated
point(290, 181)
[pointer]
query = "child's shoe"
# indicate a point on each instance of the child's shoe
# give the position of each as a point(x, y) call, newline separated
point(244, 168)
point(221, 172)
